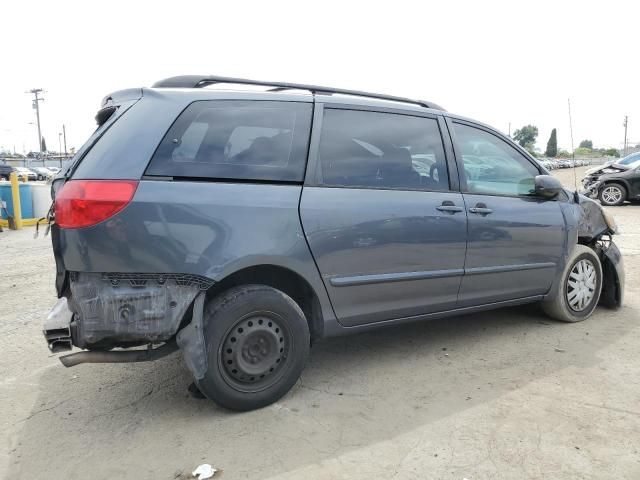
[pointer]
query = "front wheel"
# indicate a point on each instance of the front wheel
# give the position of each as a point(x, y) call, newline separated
point(578, 290)
point(257, 344)
point(612, 194)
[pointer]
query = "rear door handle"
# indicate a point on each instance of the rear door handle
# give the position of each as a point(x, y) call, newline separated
point(449, 206)
point(480, 209)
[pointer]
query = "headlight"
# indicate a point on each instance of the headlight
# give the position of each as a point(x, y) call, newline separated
point(610, 221)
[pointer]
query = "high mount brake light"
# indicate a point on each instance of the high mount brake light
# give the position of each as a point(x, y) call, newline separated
point(82, 203)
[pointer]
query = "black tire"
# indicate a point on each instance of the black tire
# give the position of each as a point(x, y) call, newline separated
point(612, 194)
point(257, 344)
point(560, 307)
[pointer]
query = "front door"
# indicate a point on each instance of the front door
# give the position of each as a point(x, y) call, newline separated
point(515, 239)
point(387, 232)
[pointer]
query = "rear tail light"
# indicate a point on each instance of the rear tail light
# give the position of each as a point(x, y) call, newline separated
point(82, 203)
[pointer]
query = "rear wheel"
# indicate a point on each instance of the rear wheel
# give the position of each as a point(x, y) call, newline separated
point(612, 194)
point(257, 344)
point(578, 290)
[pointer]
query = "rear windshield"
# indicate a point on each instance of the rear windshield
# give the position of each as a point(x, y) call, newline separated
point(228, 139)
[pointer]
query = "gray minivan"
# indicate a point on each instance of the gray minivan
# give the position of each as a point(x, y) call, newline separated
point(240, 226)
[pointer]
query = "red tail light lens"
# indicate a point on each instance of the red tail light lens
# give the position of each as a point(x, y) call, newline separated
point(82, 203)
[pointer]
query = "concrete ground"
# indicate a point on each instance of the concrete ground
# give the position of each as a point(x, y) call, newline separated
point(507, 394)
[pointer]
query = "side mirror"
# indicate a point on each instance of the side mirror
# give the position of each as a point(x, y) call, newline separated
point(547, 186)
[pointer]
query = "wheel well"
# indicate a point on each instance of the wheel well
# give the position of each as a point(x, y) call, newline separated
point(284, 280)
point(622, 183)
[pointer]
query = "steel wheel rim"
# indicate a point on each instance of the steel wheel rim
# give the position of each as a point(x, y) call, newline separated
point(581, 285)
point(255, 351)
point(611, 195)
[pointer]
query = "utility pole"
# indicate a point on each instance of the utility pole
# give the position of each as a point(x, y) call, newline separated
point(36, 107)
point(626, 121)
point(64, 137)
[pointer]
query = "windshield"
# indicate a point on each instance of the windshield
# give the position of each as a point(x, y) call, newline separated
point(630, 159)
point(635, 163)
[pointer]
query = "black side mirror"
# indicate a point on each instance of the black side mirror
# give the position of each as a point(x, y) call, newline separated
point(547, 186)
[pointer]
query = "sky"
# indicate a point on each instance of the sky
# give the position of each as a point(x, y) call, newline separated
point(498, 62)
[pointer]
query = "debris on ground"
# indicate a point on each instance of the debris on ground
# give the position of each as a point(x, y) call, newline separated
point(204, 471)
point(560, 350)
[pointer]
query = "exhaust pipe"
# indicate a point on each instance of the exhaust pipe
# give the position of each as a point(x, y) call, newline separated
point(57, 331)
point(121, 356)
point(58, 340)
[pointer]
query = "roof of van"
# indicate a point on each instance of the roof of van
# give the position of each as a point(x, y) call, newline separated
point(201, 81)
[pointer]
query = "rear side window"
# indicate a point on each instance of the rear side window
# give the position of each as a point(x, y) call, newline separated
point(228, 139)
point(381, 150)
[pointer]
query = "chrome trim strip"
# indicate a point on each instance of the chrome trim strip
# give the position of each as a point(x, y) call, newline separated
point(408, 276)
point(393, 277)
point(508, 268)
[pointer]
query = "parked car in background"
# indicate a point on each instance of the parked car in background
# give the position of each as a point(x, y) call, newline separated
point(243, 226)
point(53, 170)
point(5, 171)
point(613, 184)
point(27, 173)
point(43, 173)
point(629, 159)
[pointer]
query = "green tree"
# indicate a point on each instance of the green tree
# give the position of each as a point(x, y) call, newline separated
point(552, 145)
point(43, 147)
point(586, 144)
point(612, 152)
point(526, 135)
point(583, 152)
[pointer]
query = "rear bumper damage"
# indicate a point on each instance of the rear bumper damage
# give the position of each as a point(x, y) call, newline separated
point(110, 310)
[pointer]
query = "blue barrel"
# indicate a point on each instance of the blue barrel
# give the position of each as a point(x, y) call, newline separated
point(26, 200)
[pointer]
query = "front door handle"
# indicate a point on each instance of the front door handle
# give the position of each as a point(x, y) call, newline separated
point(449, 206)
point(480, 209)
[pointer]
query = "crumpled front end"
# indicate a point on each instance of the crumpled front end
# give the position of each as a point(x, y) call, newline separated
point(595, 228)
point(596, 177)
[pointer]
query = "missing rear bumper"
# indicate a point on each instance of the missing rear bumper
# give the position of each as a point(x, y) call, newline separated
point(125, 310)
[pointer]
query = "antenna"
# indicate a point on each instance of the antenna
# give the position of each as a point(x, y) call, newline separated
point(573, 154)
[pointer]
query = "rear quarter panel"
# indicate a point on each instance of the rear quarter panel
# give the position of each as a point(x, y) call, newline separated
point(203, 228)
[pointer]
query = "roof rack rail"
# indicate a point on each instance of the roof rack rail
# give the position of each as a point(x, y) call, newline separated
point(199, 81)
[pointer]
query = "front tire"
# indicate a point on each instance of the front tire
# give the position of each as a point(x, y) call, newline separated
point(578, 291)
point(612, 194)
point(257, 344)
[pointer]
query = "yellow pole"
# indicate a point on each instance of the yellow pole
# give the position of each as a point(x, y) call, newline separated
point(15, 195)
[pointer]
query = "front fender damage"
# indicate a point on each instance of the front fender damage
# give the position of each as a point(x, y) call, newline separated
point(587, 225)
point(612, 294)
point(591, 221)
point(594, 231)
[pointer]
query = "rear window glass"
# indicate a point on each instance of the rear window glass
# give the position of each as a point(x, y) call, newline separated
point(249, 140)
